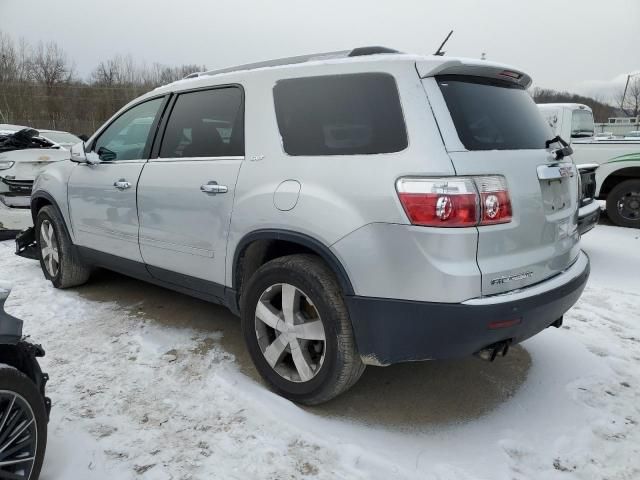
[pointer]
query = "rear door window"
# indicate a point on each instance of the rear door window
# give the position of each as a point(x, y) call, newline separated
point(492, 114)
point(340, 115)
point(205, 123)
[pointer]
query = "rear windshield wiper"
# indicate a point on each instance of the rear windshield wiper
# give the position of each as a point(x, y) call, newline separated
point(560, 153)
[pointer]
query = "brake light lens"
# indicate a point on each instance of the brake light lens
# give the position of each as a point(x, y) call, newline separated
point(439, 202)
point(455, 201)
point(494, 198)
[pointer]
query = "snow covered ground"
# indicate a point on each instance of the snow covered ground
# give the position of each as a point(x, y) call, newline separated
point(149, 384)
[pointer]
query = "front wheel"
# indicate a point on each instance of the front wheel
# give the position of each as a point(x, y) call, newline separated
point(297, 329)
point(623, 204)
point(23, 426)
point(59, 261)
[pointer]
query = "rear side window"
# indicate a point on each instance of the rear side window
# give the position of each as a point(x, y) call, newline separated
point(340, 115)
point(205, 123)
point(492, 114)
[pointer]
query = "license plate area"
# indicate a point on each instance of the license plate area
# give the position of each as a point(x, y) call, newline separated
point(556, 195)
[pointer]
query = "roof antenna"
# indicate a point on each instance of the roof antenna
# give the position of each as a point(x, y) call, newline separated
point(439, 52)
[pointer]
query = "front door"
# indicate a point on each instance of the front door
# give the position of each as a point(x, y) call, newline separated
point(102, 197)
point(185, 195)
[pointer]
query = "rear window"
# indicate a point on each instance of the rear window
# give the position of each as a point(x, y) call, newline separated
point(492, 114)
point(340, 115)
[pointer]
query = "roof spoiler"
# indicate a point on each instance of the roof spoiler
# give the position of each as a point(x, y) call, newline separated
point(476, 68)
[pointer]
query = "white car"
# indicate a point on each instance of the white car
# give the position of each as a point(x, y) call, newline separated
point(22, 156)
point(64, 139)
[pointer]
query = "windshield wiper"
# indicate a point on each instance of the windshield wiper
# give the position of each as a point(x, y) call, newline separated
point(560, 153)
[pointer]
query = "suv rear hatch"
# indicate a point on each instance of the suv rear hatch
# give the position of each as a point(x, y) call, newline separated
point(491, 126)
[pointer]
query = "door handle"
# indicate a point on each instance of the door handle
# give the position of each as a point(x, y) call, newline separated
point(213, 188)
point(122, 184)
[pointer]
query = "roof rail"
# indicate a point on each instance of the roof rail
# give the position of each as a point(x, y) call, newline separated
point(356, 52)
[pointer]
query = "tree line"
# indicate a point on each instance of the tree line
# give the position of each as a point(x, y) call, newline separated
point(39, 86)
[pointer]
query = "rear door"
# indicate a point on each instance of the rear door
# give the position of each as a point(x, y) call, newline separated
point(492, 127)
point(185, 194)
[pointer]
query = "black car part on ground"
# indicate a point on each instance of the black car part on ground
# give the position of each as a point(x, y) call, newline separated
point(23, 139)
point(26, 244)
point(17, 352)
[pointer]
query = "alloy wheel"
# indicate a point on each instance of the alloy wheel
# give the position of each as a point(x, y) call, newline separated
point(49, 248)
point(290, 332)
point(18, 436)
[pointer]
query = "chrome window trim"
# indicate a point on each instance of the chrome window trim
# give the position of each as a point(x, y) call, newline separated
point(195, 159)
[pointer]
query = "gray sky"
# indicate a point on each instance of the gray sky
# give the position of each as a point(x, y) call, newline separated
point(580, 45)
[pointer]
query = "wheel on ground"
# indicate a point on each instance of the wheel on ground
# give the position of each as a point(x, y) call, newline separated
point(297, 329)
point(23, 426)
point(623, 204)
point(58, 260)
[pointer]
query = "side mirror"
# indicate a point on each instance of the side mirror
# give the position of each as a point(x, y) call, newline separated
point(79, 154)
point(83, 137)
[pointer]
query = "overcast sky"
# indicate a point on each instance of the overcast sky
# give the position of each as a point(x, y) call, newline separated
point(579, 45)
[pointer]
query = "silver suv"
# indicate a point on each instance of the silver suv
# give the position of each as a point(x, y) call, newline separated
point(354, 208)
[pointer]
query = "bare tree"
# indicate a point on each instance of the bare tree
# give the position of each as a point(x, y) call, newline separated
point(8, 59)
point(629, 102)
point(49, 65)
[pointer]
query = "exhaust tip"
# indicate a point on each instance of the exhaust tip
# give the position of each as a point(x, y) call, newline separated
point(491, 352)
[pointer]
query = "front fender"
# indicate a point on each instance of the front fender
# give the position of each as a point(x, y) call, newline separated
point(617, 164)
point(50, 187)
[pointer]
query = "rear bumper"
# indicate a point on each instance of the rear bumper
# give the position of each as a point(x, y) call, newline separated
point(588, 217)
point(391, 331)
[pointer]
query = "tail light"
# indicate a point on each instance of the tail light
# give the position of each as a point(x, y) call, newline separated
point(494, 199)
point(455, 201)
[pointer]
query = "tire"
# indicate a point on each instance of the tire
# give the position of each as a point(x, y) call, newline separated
point(68, 270)
point(19, 392)
point(334, 363)
point(623, 204)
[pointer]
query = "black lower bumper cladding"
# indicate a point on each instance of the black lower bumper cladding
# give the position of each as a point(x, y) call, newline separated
point(390, 331)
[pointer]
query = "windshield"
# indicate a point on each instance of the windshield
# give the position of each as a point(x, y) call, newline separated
point(492, 114)
point(582, 124)
point(61, 137)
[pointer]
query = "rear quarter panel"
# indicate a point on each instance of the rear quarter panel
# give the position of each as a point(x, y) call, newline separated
point(339, 194)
